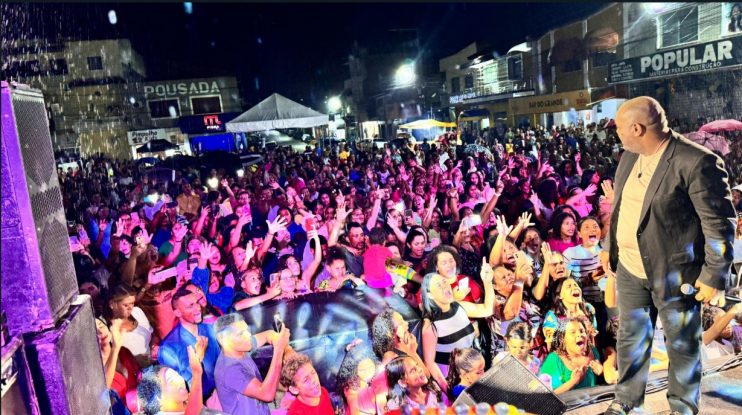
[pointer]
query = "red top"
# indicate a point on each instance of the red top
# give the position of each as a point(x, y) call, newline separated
point(324, 407)
point(122, 384)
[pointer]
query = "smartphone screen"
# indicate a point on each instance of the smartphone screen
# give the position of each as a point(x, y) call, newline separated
point(273, 279)
point(475, 220)
point(463, 283)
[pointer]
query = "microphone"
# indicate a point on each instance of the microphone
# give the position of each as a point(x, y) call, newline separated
point(688, 289)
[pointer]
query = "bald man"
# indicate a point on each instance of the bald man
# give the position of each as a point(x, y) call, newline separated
point(672, 223)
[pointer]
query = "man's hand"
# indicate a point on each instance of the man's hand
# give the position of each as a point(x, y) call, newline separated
point(710, 295)
point(487, 273)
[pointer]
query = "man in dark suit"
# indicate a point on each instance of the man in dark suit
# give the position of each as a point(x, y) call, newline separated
point(672, 223)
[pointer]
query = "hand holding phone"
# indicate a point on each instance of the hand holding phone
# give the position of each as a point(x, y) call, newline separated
point(75, 244)
point(162, 275)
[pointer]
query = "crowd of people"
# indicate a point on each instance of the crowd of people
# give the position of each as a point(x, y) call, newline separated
point(497, 246)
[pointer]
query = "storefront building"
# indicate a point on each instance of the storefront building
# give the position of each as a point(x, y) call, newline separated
point(685, 56)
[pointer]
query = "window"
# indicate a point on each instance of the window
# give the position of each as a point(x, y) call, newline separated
point(206, 105)
point(164, 108)
point(58, 67)
point(455, 85)
point(678, 27)
point(603, 58)
point(572, 65)
point(95, 63)
point(515, 68)
point(469, 81)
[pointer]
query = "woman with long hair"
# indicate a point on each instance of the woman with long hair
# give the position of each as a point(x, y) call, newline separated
point(354, 379)
point(465, 368)
point(408, 385)
point(568, 303)
point(563, 232)
point(446, 324)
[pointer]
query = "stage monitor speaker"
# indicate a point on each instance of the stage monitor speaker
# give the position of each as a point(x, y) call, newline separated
point(38, 275)
point(510, 382)
point(66, 365)
point(18, 396)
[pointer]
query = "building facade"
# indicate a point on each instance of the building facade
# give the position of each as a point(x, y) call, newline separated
point(92, 89)
point(686, 55)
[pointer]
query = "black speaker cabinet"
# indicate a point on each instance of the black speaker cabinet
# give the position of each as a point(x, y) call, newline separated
point(38, 276)
point(18, 396)
point(66, 365)
point(510, 382)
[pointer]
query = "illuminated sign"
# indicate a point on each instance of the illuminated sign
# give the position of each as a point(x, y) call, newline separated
point(182, 88)
point(213, 123)
point(455, 99)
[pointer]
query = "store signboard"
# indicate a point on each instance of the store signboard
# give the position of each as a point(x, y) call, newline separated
point(722, 53)
point(550, 103)
point(138, 138)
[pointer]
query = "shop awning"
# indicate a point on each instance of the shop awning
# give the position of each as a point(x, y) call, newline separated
point(425, 124)
point(474, 114)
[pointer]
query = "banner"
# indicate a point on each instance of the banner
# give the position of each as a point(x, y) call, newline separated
point(323, 323)
point(137, 138)
point(722, 53)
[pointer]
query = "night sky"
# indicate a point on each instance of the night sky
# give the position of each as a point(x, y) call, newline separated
point(298, 50)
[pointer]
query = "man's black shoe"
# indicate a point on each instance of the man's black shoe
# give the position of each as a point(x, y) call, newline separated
point(617, 408)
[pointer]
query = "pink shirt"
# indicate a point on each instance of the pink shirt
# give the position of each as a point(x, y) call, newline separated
point(374, 266)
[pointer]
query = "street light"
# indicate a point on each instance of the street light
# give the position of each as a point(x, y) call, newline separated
point(334, 104)
point(405, 74)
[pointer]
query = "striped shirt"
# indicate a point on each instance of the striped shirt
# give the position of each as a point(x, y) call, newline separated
point(582, 262)
point(454, 330)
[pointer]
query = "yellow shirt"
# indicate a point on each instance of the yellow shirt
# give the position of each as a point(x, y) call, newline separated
point(632, 199)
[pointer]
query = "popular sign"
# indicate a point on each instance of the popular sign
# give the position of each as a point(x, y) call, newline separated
point(137, 138)
point(696, 58)
point(182, 88)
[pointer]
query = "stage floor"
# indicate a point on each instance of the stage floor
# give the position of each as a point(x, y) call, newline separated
point(721, 394)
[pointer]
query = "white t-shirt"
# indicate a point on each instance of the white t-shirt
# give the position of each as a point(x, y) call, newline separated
point(137, 340)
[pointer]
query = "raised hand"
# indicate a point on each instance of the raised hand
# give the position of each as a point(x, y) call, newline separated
point(524, 221)
point(205, 211)
point(279, 224)
point(207, 251)
point(487, 273)
point(224, 183)
point(590, 191)
point(502, 226)
point(578, 157)
point(546, 252)
point(535, 200)
point(145, 238)
point(607, 187)
point(120, 226)
point(117, 332)
point(342, 212)
point(179, 234)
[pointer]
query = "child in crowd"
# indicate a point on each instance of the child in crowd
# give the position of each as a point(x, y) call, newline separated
point(301, 380)
point(518, 339)
point(408, 385)
point(466, 367)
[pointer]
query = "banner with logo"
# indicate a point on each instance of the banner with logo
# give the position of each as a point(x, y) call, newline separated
point(550, 103)
point(722, 53)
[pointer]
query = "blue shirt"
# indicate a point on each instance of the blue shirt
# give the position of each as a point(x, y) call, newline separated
point(232, 378)
point(105, 245)
point(221, 299)
point(174, 354)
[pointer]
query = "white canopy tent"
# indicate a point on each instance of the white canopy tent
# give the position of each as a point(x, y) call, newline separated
point(276, 112)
